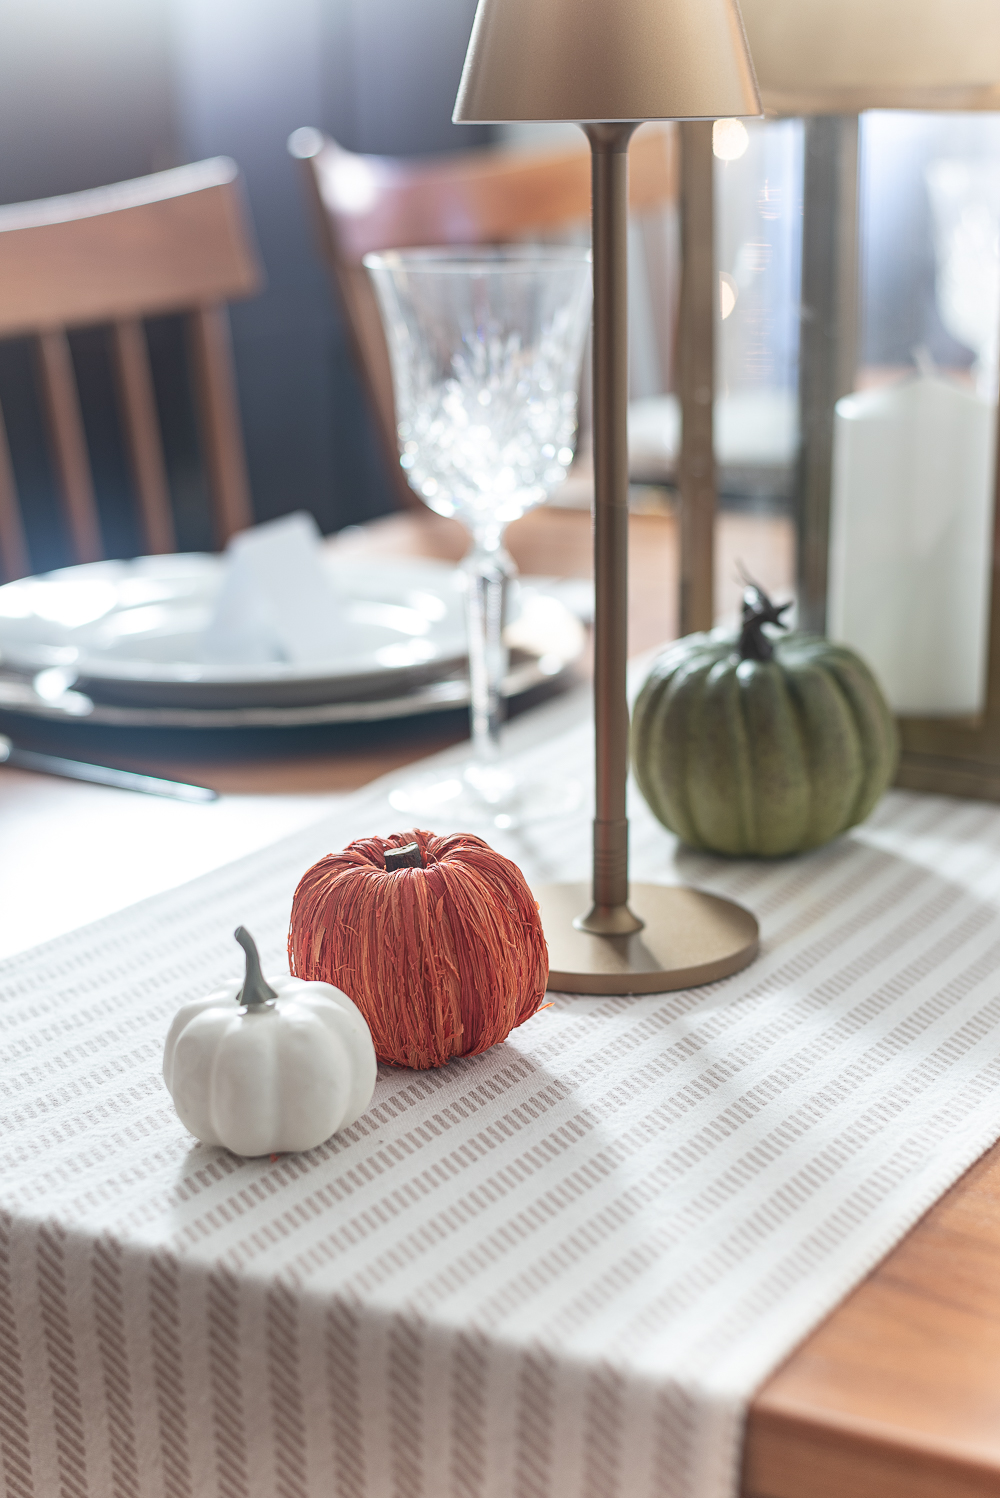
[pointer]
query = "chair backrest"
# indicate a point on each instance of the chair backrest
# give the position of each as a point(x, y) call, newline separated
point(177, 241)
point(489, 196)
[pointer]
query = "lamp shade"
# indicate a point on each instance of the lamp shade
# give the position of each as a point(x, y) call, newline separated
point(842, 56)
point(606, 60)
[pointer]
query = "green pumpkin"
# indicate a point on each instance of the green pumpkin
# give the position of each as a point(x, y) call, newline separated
point(749, 745)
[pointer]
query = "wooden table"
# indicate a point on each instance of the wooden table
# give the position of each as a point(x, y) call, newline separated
point(897, 1394)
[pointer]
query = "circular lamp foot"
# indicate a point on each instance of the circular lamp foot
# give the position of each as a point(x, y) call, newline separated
point(688, 937)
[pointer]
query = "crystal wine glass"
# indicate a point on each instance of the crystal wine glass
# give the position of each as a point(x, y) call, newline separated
point(485, 347)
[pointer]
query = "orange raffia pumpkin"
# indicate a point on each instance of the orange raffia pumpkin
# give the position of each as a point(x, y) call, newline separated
point(437, 940)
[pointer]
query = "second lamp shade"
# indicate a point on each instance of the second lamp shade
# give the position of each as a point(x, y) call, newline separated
point(591, 60)
point(821, 57)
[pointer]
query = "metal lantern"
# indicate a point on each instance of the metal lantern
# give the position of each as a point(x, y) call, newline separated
point(897, 478)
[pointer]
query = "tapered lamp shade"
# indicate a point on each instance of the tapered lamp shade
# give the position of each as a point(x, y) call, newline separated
point(606, 60)
point(842, 56)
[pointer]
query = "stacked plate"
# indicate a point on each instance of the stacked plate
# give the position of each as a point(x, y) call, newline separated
point(119, 643)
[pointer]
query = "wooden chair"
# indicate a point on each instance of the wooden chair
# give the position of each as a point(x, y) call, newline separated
point(178, 241)
point(371, 203)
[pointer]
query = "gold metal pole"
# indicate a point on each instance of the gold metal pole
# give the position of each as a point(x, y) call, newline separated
point(649, 937)
point(610, 914)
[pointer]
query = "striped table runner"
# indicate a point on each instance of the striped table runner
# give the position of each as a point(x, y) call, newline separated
point(558, 1270)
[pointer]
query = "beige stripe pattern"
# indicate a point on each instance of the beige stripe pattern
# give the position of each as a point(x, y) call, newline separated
point(14, 1420)
point(557, 1270)
point(109, 1324)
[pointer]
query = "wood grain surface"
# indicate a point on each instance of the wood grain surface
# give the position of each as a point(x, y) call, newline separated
point(897, 1394)
point(158, 244)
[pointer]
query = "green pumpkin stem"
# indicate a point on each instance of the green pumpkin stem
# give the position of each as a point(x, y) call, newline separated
point(758, 610)
point(256, 991)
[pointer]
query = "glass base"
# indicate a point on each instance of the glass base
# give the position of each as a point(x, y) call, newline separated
point(486, 798)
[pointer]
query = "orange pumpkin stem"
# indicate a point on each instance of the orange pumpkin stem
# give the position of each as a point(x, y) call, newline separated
point(407, 857)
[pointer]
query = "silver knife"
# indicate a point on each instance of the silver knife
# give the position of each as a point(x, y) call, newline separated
point(123, 780)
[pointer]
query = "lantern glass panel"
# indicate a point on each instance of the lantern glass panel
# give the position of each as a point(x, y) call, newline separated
point(758, 247)
point(913, 475)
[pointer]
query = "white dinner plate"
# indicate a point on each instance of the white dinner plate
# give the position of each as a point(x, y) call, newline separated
point(129, 633)
point(544, 641)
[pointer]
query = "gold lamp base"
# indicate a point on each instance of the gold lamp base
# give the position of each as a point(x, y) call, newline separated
point(688, 937)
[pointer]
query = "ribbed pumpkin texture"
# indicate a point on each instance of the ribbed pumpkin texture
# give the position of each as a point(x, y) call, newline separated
point(761, 757)
point(443, 960)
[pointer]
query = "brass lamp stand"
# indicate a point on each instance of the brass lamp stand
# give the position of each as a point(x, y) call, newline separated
point(608, 68)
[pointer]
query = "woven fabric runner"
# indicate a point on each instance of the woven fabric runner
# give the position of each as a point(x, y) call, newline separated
point(558, 1270)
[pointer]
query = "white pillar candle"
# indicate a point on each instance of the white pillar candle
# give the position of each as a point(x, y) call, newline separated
point(910, 540)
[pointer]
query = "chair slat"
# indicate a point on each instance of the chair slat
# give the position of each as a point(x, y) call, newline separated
point(221, 430)
point(362, 317)
point(142, 432)
point(14, 561)
point(62, 407)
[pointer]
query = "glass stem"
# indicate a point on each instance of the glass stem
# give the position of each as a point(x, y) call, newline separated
point(488, 570)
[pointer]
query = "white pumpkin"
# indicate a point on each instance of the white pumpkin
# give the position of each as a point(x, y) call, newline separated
point(269, 1066)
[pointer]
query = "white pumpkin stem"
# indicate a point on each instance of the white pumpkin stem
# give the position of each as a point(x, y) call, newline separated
point(256, 992)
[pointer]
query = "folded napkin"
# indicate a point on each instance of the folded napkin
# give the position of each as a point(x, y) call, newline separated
point(276, 602)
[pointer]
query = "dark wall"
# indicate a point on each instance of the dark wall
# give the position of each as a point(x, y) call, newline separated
point(85, 94)
point(97, 92)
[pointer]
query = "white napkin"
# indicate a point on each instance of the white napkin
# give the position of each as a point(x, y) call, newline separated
point(276, 602)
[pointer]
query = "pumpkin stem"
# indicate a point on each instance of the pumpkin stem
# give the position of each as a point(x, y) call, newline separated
point(256, 991)
point(758, 610)
point(407, 857)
